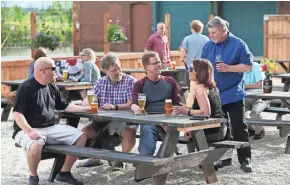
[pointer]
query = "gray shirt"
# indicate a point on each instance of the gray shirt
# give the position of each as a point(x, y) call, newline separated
point(193, 44)
point(91, 73)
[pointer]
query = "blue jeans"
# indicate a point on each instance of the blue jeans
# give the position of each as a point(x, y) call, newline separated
point(148, 139)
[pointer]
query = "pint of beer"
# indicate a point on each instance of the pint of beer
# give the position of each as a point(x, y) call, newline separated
point(94, 106)
point(168, 107)
point(91, 97)
point(65, 75)
point(142, 101)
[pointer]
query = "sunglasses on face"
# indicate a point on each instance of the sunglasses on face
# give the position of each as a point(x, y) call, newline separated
point(190, 69)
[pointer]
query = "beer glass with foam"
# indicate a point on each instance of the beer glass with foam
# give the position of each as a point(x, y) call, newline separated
point(168, 107)
point(142, 101)
point(65, 75)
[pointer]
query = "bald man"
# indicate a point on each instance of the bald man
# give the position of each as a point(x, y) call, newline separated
point(34, 126)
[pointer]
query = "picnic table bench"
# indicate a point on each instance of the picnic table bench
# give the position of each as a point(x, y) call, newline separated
point(283, 126)
point(150, 166)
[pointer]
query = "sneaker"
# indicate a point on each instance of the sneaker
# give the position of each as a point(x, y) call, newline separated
point(246, 167)
point(90, 163)
point(33, 180)
point(223, 163)
point(116, 164)
point(68, 178)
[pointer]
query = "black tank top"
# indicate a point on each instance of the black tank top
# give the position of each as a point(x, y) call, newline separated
point(215, 106)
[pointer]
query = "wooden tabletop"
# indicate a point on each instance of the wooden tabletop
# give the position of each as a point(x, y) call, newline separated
point(179, 121)
point(69, 85)
point(284, 75)
point(274, 95)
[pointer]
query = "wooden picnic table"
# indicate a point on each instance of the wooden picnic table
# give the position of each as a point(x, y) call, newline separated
point(285, 79)
point(174, 124)
point(65, 89)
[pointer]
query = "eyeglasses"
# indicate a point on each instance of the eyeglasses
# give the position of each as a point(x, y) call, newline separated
point(52, 68)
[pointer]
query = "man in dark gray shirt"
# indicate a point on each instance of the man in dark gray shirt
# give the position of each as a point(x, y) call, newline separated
point(157, 89)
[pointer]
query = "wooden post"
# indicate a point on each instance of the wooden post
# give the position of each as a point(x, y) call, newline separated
point(167, 25)
point(33, 31)
point(106, 24)
point(76, 32)
point(266, 17)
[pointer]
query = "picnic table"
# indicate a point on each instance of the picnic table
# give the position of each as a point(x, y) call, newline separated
point(164, 163)
point(283, 126)
point(65, 89)
point(285, 79)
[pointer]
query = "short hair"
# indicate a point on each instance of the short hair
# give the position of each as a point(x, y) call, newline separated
point(108, 60)
point(197, 26)
point(90, 53)
point(159, 23)
point(146, 57)
point(204, 72)
point(218, 22)
point(41, 52)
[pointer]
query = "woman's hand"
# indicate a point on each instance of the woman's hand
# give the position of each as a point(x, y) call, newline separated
point(181, 109)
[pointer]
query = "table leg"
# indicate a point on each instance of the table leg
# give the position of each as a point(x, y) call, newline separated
point(207, 166)
point(167, 149)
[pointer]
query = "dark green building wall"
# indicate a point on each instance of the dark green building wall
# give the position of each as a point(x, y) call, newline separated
point(245, 18)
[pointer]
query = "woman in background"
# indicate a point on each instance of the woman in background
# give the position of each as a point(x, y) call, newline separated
point(91, 72)
point(41, 52)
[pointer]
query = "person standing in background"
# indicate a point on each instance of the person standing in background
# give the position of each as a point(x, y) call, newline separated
point(41, 52)
point(158, 42)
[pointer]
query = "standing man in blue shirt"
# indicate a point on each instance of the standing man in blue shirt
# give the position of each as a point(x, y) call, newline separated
point(231, 57)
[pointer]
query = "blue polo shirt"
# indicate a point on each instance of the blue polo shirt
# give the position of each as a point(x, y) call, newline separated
point(232, 51)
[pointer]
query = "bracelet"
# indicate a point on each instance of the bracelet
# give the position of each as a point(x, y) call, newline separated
point(117, 107)
point(188, 113)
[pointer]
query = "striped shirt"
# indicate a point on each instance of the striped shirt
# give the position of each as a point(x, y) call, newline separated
point(114, 93)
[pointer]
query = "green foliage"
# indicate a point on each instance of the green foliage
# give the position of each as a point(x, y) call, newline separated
point(115, 34)
point(55, 20)
point(268, 66)
point(50, 42)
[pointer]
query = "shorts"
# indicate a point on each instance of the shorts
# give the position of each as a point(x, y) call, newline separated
point(56, 134)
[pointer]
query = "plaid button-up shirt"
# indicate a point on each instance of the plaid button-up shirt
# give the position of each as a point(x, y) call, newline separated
point(117, 93)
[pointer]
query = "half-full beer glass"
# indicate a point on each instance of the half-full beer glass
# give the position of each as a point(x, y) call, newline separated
point(65, 75)
point(94, 106)
point(168, 107)
point(142, 101)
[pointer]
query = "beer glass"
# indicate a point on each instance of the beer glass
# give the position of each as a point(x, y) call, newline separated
point(142, 101)
point(94, 106)
point(173, 65)
point(91, 97)
point(65, 75)
point(168, 107)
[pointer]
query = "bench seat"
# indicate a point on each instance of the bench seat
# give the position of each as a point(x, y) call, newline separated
point(230, 144)
point(107, 155)
point(279, 110)
point(265, 122)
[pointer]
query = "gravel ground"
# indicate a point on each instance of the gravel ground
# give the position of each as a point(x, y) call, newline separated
point(270, 164)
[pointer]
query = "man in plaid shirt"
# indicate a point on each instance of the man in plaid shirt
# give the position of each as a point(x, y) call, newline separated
point(114, 92)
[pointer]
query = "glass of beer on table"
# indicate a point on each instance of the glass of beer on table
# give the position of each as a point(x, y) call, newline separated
point(94, 106)
point(65, 75)
point(91, 96)
point(142, 101)
point(168, 107)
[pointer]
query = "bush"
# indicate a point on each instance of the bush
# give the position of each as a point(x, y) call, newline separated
point(115, 34)
point(50, 42)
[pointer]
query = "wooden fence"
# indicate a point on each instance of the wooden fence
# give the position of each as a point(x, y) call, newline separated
point(277, 38)
point(18, 69)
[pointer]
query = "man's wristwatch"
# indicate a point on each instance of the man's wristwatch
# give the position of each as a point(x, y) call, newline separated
point(116, 107)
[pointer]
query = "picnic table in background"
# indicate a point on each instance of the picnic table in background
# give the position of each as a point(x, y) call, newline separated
point(65, 89)
point(285, 79)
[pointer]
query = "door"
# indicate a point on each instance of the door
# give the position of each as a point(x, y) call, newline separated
point(141, 19)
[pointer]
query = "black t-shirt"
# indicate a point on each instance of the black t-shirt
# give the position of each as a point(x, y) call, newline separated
point(37, 103)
